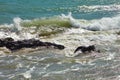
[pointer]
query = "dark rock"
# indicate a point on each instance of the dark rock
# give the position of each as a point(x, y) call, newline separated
point(59, 47)
point(4, 41)
point(12, 45)
point(1, 43)
point(85, 49)
point(8, 39)
point(56, 46)
point(32, 43)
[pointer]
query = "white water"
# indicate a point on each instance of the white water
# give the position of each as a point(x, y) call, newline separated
point(106, 23)
point(95, 8)
point(46, 64)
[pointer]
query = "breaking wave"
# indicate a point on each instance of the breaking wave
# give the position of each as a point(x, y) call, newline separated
point(95, 8)
point(56, 24)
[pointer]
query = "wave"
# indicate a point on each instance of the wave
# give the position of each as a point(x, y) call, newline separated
point(107, 23)
point(65, 21)
point(95, 8)
point(57, 24)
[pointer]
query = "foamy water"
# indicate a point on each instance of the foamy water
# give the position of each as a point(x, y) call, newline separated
point(69, 23)
point(64, 65)
point(96, 8)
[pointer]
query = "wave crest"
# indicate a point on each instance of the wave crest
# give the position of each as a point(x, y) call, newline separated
point(95, 8)
point(54, 25)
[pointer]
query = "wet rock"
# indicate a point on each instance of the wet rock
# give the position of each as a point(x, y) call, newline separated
point(59, 46)
point(56, 46)
point(12, 45)
point(1, 43)
point(8, 39)
point(85, 49)
point(4, 41)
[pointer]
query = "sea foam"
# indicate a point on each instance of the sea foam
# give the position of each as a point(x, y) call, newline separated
point(95, 8)
point(54, 25)
point(16, 30)
point(105, 23)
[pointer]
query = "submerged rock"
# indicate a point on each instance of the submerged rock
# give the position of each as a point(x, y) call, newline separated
point(12, 45)
point(85, 49)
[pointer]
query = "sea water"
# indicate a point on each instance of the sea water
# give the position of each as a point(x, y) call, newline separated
point(81, 9)
point(71, 23)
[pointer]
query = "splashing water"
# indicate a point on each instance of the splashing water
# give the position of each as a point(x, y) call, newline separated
point(93, 22)
point(17, 22)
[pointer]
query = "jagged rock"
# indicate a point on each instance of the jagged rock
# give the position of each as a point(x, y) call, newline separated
point(4, 41)
point(85, 49)
point(1, 43)
point(12, 45)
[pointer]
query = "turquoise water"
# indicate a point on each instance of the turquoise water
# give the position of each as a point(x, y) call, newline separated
point(81, 9)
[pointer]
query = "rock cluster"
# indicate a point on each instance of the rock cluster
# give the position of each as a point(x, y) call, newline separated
point(13, 45)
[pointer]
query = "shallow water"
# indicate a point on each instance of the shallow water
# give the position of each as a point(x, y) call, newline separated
point(71, 23)
point(54, 64)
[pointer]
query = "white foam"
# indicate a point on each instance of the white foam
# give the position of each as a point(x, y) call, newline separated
point(16, 25)
point(27, 74)
point(56, 72)
point(106, 23)
point(103, 37)
point(76, 31)
point(69, 53)
point(73, 21)
point(19, 65)
point(48, 65)
point(27, 35)
point(9, 34)
point(14, 29)
point(118, 77)
point(94, 8)
point(110, 56)
point(2, 54)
